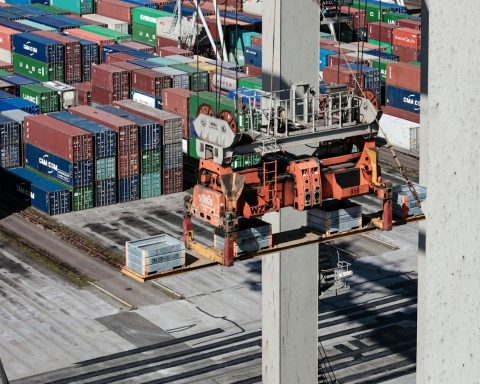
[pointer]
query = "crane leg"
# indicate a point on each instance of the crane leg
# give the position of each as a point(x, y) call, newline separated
point(228, 251)
point(187, 221)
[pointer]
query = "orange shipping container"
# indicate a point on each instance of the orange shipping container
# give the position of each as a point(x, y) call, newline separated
point(6, 37)
point(407, 37)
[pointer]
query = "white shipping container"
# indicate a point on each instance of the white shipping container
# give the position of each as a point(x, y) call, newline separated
point(401, 133)
point(6, 55)
point(113, 24)
point(253, 6)
point(143, 99)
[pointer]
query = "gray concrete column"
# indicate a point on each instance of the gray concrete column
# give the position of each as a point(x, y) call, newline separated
point(448, 346)
point(290, 309)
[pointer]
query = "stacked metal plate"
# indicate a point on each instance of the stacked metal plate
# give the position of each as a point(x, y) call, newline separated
point(154, 254)
point(335, 216)
point(252, 235)
point(404, 203)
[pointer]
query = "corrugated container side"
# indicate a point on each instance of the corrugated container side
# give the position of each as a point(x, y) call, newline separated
point(128, 189)
point(105, 192)
point(172, 181)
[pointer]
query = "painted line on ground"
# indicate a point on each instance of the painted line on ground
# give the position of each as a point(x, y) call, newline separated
point(132, 307)
point(169, 291)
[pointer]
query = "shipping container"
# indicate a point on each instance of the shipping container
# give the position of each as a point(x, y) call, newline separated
point(121, 9)
point(180, 79)
point(7, 90)
point(407, 37)
point(6, 37)
point(49, 8)
point(110, 77)
point(136, 46)
point(253, 56)
point(170, 51)
point(75, 174)
point(89, 57)
point(401, 133)
point(371, 77)
point(148, 16)
point(162, 61)
point(117, 36)
point(65, 140)
point(113, 48)
point(381, 46)
point(402, 114)
point(104, 96)
point(171, 124)
point(405, 54)
point(172, 156)
point(43, 194)
point(151, 185)
point(37, 26)
point(181, 59)
point(177, 100)
point(128, 189)
point(148, 100)
point(36, 69)
point(403, 75)
point(172, 181)
point(91, 22)
point(38, 48)
point(84, 93)
point(75, 6)
point(144, 34)
point(127, 138)
point(68, 95)
point(92, 37)
point(46, 98)
point(113, 24)
point(106, 168)
point(225, 80)
point(83, 198)
point(381, 32)
point(402, 98)
point(382, 66)
point(199, 80)
point(119, 57)
point(61, 25)
point(9, 131)
point(105, 192)
point(341, 75)
point(144, 63)
point(150, 82)
point(105, 138)
point(19, 103)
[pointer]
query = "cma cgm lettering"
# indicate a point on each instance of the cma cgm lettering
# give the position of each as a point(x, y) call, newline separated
point(75, 175)
point(403, 98)
point(38, 48)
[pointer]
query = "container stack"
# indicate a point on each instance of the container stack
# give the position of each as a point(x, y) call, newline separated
point(109, 83)
point(171, 126)
point(154, 255)
point(150, 151)
point(128, 168)
point(38, 57)
point(177, 100)
point(46, 98)
point(144, 24)
point(10, 143)
point(105, 159)
point(406, 44)
point(63, 152)
point(402, 91)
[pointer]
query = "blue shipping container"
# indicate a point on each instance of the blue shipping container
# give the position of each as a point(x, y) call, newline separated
point(143, 3)
point(128, 189)
point(324, 53)
point(402, 98)
point(38, 48)
point(15, 25)
point(105, 138)
point(149, 100)
point(43, 194)
point(75, 175)
point(383, 55)
point(253, 56)
point(9, 131)
point(107, 49)
point(5, 95)
point(105, 192)
point(18, 80)
point(150, 131)
point(36, 11)
point(144, 63)
point(55, 23)
point(141, 54)
point(19, 103)
point(68, 21)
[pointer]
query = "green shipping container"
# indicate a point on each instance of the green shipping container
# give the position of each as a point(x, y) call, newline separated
point(106, 168)
point(392, 17)
point(143, 34)
point(246, 160)
point(37, 70)
point(77, 6)
point(374, 13)
point(119, 37)
point(51, 9)
point(382, 65)
point(382, 44)
point(151, 185)
point(82, 198)
point(151, 161)
point(4, 73)
point(163, 61)
point(199, 79)
point(45, 97)
point(250, 83)
point(192, 148)
point(148, 16)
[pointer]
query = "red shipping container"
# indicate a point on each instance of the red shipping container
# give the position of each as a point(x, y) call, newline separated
point(110, 77)
point(127, 137)
point(164, 42)
point(407, 37)
point(405, 54)
point(128, 66)
point(342, 75)
point(117, 9)
point(151, 82)
point(172, 181)
point(73, 55)
point(84, 93)
point(177, 100)
point(169, 51)
point(408, 23)
point(94, 38)
point(400, 113)
point(6, 37)
point(251, 70)
point(107, 97)
point(381, 32)
point(139, 46)
point(119, 57)
point(170, 122)
point(6, 66)
point(256, 40)
point(91, 22)
point(62, 139)
point(358, 17)
point(404, 75)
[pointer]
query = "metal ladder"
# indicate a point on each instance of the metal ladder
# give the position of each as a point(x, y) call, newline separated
point(270, 180)
point(325, 371)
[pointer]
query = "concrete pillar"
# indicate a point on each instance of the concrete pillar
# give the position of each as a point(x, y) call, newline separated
point(290, 54)
point(449, 264)
point(290, 309)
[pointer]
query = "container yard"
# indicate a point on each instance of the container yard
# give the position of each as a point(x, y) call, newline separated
point(231, 192)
